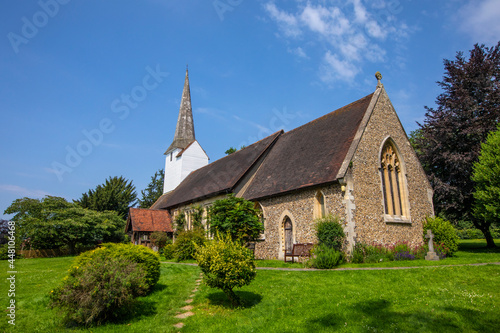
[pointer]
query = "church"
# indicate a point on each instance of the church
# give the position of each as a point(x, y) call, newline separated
point(355, 162)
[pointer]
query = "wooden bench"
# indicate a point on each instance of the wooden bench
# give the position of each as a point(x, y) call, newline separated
point(299, 250)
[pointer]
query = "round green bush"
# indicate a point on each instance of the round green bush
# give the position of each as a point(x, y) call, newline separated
point(226, 264)
point(326, 257)
point(101, 289)
point(330, 232)
point(186, 242)
point(144, 257)
point(443, 232)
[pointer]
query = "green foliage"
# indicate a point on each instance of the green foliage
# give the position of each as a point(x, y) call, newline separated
point(168, 251)
point(226, 264)
point(235, 216)
point(116, 194)
point(476, 234)
point(52, 222)
point(147, 259)
point(330, 232)
point(197, 217)
point(159, 239)
point(154, 190)
point(486, 175)
point(232, 150)
point(325, 257)
point(180, 222)
point(444, 233)
point(185, 244)
point(100, 290)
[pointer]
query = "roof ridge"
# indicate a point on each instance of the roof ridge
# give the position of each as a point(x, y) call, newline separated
point(328, 114)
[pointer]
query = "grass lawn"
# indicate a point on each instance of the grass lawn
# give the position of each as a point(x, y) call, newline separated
point(428, 299)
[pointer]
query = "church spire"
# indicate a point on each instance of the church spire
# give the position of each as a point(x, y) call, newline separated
point(184, 131)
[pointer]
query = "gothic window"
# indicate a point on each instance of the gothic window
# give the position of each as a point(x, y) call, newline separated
point(319, 205)
point(258, 207)
point(288, 233)
point(393, 183)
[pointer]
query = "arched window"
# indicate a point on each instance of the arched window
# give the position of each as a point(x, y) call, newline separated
point(288, 233)
point(393, 183)
point(258, 207)
point(319, 205)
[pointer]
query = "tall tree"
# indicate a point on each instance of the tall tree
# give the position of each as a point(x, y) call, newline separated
point(53, 222)
point(486, 175)
point(153, 191)
point(450, 139)
point(117, 194)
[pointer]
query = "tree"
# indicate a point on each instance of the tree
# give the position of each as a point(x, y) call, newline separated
point(52, 222)
point(232, 150)
point(117, 194)
point(486, 175)
point(153, 191)
point(159, 239)
point(450, 139)
point(226, 264)
point(235, 216)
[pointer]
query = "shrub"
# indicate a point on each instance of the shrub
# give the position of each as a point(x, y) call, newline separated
point(101, 289)
point(168, 251)
point(235, 216)
point(159, 239)
point(358, 253)
point(326, 257)
point(186, 242)
point(330, 232)
point(443, 233)
point(144, 257)
point(226, 264)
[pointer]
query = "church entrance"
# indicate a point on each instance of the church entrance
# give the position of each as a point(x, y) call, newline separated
point(288, 235)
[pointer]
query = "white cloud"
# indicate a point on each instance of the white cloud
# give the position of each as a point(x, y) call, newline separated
point(22, 191)
point(334, 68)
point(350, 35)
point(287, 22)
point(481, 20)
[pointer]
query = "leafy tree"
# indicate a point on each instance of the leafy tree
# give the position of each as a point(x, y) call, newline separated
point(330, 232)
point(450, 139)
point(4, 230)
point(153, 191)
point(117, 194)
point(235, 216)
point(226, 264)
point(232, 150)
point(53, 222)
point(486, 175)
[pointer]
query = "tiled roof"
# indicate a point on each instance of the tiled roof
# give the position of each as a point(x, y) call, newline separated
point(217, 177)
point(309, 155)
point(140, 219)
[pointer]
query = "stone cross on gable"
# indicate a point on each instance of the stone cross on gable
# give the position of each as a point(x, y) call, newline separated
point(430, 236)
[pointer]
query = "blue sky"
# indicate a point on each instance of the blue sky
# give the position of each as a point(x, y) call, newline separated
point(91, 89)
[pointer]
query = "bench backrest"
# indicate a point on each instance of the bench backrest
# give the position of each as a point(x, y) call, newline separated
point(301, 249)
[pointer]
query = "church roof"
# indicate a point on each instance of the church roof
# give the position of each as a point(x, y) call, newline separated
point(184, 130)
point(218, 177)
point(311, 154)
point(140, 219)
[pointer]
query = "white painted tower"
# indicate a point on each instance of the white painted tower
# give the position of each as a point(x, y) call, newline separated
point(185, 154)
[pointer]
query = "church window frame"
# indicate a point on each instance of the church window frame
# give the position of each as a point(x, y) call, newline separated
point(393, 183)
point(319, 210)
point(257, 206)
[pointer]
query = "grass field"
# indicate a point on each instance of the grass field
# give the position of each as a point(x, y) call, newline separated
point(427, 299)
